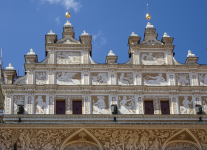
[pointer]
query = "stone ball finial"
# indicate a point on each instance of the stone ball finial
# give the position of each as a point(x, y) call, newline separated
point(10, 65)
point(31, 50)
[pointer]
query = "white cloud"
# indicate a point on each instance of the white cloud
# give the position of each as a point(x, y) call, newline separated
point(57, 19)
point(72, 4)
point(99, 39)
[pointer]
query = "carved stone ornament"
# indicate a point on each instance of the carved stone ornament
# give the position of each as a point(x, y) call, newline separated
point(203, 79)
point(18, 100)
point(21, 80)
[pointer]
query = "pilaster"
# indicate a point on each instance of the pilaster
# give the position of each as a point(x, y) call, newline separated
point(113, 77)
point(140, 105)
point(87, 103)
point(85, 77)
point(174, 104)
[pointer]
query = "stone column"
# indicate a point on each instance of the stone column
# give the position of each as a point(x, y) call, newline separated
point(156, 103)
point(85, 56)
point(8, 103)
point(175, 104)
point(113, 77)
point(138, 78)
point(51, 103)
point(196, 101)
point(51, 77)
point(140, 109)
point(69, 105)
point(86, 77)
point(87, 104)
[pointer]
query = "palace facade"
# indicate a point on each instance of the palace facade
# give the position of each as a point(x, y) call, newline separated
point(67, 98)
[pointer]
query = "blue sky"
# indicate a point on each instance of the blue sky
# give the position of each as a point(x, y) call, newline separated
point(24, 23)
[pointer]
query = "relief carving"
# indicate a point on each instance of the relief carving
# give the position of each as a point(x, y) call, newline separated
point(81, 146)
point(30, 79)
point(100, 104)
point(182, 79)
point(186, 105)
point(68, 58)
point(174, 101)
point(33, 139)
point(69, 106)
point(51, 79)
point(18, 100)
point(87, 105)
point(21, 82)
point(8, 104)
point(40, 104)
point(140, 105)
point(125, 78)
point(113, 80)
point(41, 78)
point(152, 58)
point(138, 79)
point(132, 139)
point(181, 146)
point(155, 79)
point(126, 105)
point(201, 135)
point(68, 78)
point(99, 78)
point(203, 79)
point(86, 58)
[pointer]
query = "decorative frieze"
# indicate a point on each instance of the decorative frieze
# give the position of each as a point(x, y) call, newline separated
point(68, 57)
point(100, 104)
point(126, 104)
point(68, 78)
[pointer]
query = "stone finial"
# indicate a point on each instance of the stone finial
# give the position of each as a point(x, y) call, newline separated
point(149, 25)
point(190, 54)
point(51, 33)
point(133, 34)
point(10, 67)
point(68, 24)
point(165, 35)
point(31, 52)
point(84, 33)
point(111, 53)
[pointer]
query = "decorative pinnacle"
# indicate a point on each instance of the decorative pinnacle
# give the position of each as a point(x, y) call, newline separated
point(67, 14)
point(148, 16)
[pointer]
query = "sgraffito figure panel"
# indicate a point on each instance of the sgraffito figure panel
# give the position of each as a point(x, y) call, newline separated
point(125, 78)
point(186, 104)
point(154, 79)
point(40, 104)
point(68, 57)
point(126, 105)
point(100, 104)
point(152, 58)
point(99, 78)
point(68, 78)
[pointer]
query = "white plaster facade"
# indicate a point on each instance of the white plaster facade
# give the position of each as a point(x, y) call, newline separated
point(68, 73)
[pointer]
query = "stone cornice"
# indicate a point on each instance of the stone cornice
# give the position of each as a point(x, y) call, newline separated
point(105, 119)
point(118, 67)
point(103, 89)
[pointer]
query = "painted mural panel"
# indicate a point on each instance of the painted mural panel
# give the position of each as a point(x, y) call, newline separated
point(100, 104)
point(41, 78)
point(126, 104)
point(186, 105)
point(68, 78)
point(204, 104)
point(68, 57)
point(125, 78)
point(203, 79)
point(99, 78)
point(152, 58)
point(40, 104)
point(182, 79)
point(154, 79)
point(18, 100)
